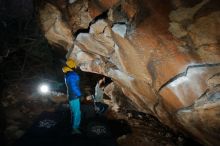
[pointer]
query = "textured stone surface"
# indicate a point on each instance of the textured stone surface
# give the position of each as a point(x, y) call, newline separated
point(164, 55)
point(79, 17)
point(56, 31)
point(205, 30)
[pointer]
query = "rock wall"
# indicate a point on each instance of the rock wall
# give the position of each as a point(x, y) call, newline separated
point(164, 54)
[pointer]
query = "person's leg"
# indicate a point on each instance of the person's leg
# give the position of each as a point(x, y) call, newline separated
point(75, 113)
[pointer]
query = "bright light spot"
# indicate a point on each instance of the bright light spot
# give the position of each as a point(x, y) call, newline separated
point(44, 88)
point(179, 81)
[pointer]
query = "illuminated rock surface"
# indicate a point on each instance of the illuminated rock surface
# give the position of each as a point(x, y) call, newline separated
point(164, 55)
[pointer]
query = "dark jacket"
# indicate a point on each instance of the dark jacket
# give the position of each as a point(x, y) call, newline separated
point(72, 82)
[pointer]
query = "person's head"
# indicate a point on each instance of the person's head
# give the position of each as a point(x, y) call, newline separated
point(71, 63)
point(66, 69)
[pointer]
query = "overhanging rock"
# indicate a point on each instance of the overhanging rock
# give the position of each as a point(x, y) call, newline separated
point(164, 55)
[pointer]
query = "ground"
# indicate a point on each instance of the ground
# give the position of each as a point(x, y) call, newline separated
point(45, 120)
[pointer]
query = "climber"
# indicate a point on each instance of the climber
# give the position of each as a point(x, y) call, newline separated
point(99, 105)
point(73, 93)
point(99, 90)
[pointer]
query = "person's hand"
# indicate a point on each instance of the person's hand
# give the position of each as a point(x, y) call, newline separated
point(84, 100)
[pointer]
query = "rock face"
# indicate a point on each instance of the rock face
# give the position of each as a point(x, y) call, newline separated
point(163, 54)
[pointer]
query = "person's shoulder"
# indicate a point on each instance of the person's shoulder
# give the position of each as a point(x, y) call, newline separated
point(69, 74)
point(97, 85)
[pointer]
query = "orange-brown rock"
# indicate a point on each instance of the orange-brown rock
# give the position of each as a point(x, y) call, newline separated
point(163, 54)
point(56, 30)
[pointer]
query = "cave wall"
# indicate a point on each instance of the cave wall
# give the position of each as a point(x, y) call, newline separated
point(164, 54)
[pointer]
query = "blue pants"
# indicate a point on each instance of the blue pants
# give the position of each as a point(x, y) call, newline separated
point(75, 113)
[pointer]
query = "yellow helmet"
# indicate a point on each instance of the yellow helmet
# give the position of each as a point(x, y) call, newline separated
point(71, 63)
point(66, 69)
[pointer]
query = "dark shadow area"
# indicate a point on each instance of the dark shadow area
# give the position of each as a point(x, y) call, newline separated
point(53, 128)
point(89, 80)
point(163, 129)
point(2, 126)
